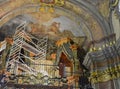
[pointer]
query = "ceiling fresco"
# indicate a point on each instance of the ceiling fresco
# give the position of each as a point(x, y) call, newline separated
point(79, 17)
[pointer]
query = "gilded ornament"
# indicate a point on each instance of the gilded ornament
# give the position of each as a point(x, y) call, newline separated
point(74, 47)
point(111, 43)
point(99, 48)
point(105, 75)
point(48, 5)
point(59, 2)
point(106, 45)
point(115, 3)
point(103, 46)
point(91, 49)
point(62, 41)
point(114, 42)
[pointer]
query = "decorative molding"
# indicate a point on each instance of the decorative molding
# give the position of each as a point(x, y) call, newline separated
point(102, 43)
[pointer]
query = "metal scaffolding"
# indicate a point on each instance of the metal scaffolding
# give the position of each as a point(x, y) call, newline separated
point(2, 45)
point(25, 41)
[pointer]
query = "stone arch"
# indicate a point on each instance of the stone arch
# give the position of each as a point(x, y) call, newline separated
point(84, 10)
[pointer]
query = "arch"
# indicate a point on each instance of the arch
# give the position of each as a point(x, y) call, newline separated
point(28, 6)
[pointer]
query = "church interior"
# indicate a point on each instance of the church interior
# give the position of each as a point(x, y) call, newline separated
point(59, 44)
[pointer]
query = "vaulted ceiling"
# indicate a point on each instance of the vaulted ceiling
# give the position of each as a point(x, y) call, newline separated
point(89, 19)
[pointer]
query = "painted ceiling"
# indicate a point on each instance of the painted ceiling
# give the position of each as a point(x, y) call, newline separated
point(79, 19)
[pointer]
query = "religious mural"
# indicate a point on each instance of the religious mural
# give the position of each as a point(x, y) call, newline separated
point(41, 48)
point(59, 44)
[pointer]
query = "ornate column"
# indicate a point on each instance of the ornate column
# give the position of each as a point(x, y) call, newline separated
point(103, 61)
